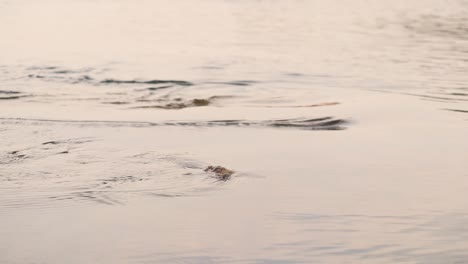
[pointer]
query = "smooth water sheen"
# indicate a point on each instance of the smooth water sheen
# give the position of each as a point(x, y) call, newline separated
point(345, 122)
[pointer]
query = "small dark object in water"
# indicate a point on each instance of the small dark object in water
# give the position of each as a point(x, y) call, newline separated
point(173, 106)
point(200, 102)
point(178, 104)
point(85, 78)
point(220, 172)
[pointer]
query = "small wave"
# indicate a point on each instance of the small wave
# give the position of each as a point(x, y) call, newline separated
point(76, 76)
point(457, 110)
point(323, 123)
point(297, 106)
point(454, 27)
point(235, 83)
point(44, 150)
point(10, 97)
point(9, 92)
point(13, 97)
point(159, 88)
point(175, 82)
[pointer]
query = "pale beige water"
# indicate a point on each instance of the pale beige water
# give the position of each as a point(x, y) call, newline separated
point(349, 138)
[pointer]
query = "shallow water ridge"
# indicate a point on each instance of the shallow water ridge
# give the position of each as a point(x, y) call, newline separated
point(233, 131)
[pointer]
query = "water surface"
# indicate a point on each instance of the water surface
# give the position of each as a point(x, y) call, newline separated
point(345, 123)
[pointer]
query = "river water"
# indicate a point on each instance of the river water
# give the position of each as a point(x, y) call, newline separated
point(345, 122)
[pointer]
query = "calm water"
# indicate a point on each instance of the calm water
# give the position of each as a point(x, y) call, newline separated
point(345, 122)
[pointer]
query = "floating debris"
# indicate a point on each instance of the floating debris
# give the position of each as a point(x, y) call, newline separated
point(220, 172)
point(180, 105)
point(200, 102)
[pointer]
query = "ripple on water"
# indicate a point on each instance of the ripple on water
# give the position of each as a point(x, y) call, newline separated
point(358, 238)
point(87, 85)
point(457, 110)
point(72, 171)
point(321, 123)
